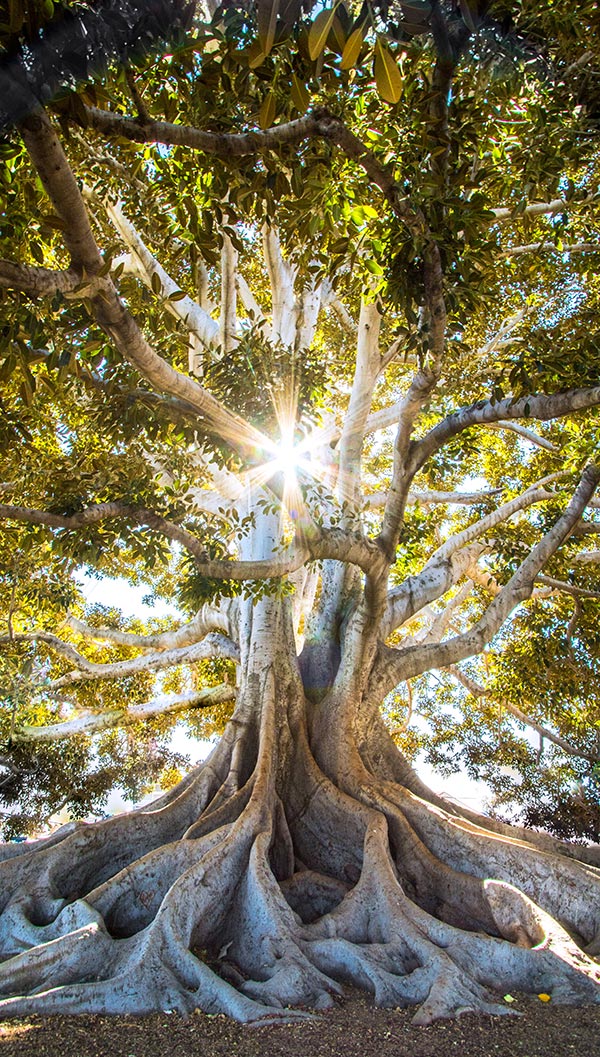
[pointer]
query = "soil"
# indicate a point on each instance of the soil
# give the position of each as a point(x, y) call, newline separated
point(353, 1029)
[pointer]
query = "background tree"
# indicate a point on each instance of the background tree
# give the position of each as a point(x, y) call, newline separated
point(299, 331)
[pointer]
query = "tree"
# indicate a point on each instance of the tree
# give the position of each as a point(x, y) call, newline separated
point(307, 342)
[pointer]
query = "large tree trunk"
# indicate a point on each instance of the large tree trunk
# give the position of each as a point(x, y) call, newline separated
point(302, 855)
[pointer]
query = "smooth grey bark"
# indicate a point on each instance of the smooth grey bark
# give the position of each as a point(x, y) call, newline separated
point(296, 859)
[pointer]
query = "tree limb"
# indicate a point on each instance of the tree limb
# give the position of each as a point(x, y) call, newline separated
point(213, 645)
point(39, 282)
point(551, 247)
point(394, 666)
point(538, 209)
point(433, 581)
point(188, 311)
point(539, 406)
point(587, 557)
point(95, 723)
point(501, 514)
point(61, 186)
point(208, 618)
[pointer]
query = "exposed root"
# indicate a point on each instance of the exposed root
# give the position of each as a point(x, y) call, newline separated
point(272, 887)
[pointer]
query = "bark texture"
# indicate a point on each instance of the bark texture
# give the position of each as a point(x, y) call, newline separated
point(301, 856)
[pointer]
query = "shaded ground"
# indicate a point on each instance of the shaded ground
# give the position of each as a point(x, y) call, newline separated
point(355, 1029)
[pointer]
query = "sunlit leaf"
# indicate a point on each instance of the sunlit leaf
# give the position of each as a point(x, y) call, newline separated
point(319, 32)
point(266, 114)
point(352, 49)
point(300, 95)
point(387, 74)
point(267, 11)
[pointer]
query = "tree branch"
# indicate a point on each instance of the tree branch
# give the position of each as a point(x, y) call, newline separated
point(221, 144)
point(209, 618)
point(394, 666)
point(501, 514)
point(93, 515)
point(540, 407)
point(434, 580)
point(365, 376)
point(228, 316)
point(527, 434)
point(188, 311)
point(587, 557)
point(94, 723)
point(61, 186)
point(65, 649)
point(39, 282)
point(538, 209)
point(551, 247)
point(213, 645)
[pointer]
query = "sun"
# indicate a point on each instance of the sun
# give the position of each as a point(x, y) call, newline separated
point(287, 459)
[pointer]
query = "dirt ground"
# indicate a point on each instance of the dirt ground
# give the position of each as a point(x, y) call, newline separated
point(352, 1029)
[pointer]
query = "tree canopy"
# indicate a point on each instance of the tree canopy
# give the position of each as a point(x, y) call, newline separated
point(299, 332)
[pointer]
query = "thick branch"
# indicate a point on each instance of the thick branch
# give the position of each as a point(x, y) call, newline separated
point(228, 318)
point(436, 577)
point(62, 188)
point(93, 515)
point(394, 666)
point(587, 557)
point(224, 145)
point(501, 514)
point(94, 723)
point(194, 318)
point(365, 376)
point(540, 407)
point(208, 618)
point(65, 649)
point(213, 645)
point(39, 282)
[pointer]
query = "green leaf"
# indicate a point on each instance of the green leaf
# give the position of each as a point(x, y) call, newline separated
point(177, 295)
point(374, 268)
point(267, 23)
point(469, 14)
point(387, 74)
point(255, 55)
point(319, 31)
point(300, 95)
point(266, 114)
point(352, 49)
point(156, 284)
point(337, 37)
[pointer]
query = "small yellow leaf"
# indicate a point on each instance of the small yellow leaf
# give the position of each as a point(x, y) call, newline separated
point(266, 114)
point(387, 74)
point(544, 997)
point(337, 37)
point(352, 49)
point(255, 55)
point(508, 998)
point(300, 95)
point(267, 23)
point(318, 33)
